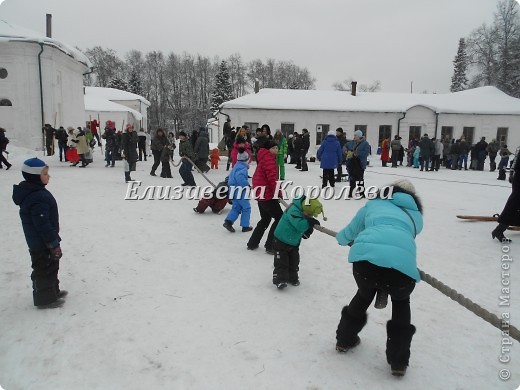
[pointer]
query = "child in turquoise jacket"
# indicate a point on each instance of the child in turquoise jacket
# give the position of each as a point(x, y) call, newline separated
point(383, 253)
point(297, 222)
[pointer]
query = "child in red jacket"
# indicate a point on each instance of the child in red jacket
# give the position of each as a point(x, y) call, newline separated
point(215, 158)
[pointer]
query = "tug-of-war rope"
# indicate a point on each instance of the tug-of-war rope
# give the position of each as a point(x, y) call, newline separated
point(503, 325)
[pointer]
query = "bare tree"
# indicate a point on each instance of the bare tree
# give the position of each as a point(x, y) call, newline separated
point(107, 65)
point(482, 54)
point(346, 85)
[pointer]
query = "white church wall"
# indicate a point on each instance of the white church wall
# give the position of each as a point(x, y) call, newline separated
point(62, 91)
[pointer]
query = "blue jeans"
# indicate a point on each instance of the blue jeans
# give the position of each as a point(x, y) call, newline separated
point(110, 157)
point(185, 172)
point(463, 158)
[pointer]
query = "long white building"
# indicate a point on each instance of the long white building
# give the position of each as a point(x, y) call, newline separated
point(474, 113)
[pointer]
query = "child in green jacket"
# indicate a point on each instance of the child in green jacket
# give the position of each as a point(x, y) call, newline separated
point(297, 221)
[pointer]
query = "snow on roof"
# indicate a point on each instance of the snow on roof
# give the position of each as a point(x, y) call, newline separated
point(101, 104)
point(114, 94)
point(483, 100)
point(12, 32)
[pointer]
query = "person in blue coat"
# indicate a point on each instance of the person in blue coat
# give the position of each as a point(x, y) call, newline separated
point(330, 155)
point(383, 253)
point(40, 223)
point(238, 185)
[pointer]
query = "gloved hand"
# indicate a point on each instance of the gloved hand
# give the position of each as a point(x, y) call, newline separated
point(314, 221)
point(308, 233)
point(56, 253)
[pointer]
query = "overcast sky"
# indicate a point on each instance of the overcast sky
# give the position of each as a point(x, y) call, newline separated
point(394, 41)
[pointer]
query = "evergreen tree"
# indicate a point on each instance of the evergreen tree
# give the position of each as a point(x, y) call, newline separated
point(222, 91)
point(134, 84)
point(118, 83)
point(459, 81)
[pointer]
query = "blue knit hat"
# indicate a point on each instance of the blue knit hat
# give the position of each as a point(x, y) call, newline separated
point(32, 169)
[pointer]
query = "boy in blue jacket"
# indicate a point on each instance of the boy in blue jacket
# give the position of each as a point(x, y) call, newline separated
point(297, 221)
point(238, 184)
point(40, 222)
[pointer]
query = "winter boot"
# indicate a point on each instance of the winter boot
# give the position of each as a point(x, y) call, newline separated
point(501, 174)
point(53, 305)
point(348, 329)
point(399, 338)
point(498, 233)
point(229, 226)
point(127, 177)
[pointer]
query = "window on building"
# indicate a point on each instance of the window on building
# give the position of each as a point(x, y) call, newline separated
point(468, 133)
point(363, 129)
point(502, 135)
point(321, 133)
point(447, 132)
point(385, 131)
point(414, 133)
point(3, 73)
point(252, 126)
point(5, 102)
point(287, 129)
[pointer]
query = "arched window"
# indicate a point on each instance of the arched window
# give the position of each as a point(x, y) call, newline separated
point(5, 102)
point(3, 73)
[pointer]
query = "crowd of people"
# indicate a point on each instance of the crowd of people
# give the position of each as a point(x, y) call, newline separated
point(430, 154)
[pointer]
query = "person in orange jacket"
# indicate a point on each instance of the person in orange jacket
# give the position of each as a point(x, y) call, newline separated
point(215, 158)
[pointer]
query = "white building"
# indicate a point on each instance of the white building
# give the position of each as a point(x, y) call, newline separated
point(480, 112)
point(41, 81)
point(119, 106)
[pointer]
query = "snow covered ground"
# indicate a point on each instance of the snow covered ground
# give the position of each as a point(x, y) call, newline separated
point(163, 298)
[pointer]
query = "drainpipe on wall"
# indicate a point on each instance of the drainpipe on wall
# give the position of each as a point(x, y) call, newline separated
point(41, 92)
point(399, 123)
point(436, 123)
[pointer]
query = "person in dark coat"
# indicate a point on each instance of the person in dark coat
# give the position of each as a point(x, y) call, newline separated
point(41, 227)
point(142, 144)
point(306, 144)
point(481, 152)
point(3, 146)
point(159, 142)
point(186, 150)
point(342, 141)
point(510, 216)
point(62, 137)
point(395, 145)
point(357, 152)
point(463, 156)
point(49, 132)
point(129, 151)
point(201, 149)
point(111, 144)
point(427, 149)
point(492, 150)
point(227, 128)
point(384, 256)
point(330, 156)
